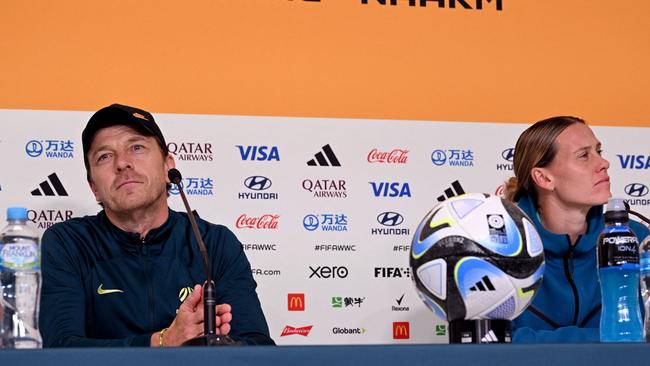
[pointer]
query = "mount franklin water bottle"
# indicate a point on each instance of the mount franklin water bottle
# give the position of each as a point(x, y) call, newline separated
point(618, 270)
point(20, 282)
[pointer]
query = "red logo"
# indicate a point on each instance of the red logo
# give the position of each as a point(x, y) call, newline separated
point(267, 221)
point(401, 330)
point(296, 302)
point(289, 330)
point(500, 191)
point(397, 156)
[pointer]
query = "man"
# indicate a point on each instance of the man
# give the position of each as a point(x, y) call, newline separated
point(132, 274)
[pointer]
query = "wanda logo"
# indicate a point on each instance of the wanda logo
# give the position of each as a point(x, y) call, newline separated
point(289, 330)
point(396, 156)
point(268, 221)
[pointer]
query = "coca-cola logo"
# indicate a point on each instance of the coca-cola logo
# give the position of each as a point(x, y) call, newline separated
point(396, 156)
point(267, 221)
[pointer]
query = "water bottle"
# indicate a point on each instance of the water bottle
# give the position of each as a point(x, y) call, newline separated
point(20, 280)
point(645, 285)
point(618, 270)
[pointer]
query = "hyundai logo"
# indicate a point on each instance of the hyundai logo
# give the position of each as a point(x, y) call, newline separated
point(636, 189)
point(508, 154)
point(390, 218)
point(34, 148)
point(257, 183)
point(438, 157)
point(310, 222)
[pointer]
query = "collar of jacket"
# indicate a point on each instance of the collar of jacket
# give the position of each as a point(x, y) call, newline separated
point(557, 243)
point(132, 242)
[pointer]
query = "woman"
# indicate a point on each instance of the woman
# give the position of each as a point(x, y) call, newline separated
point(561, 182)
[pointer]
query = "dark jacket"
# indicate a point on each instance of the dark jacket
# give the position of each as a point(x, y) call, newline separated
point(85, 259)
point(567, 305)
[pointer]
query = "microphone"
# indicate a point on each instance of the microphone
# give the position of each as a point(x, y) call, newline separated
point(210, 336)
point(641, 217)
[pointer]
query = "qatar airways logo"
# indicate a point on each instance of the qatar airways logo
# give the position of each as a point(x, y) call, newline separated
point(395, 156)
point(191, 151)
point(267, 221)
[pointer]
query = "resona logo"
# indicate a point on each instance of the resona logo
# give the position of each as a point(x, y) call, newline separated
point(390, 189)
point(267, 221)
point(191, 151)
point(325, 188)
point(195, 187)
point(395, 156)
point(509, 156)
point(43, 219)
point(259, 153)
point(392, 272)
point(389, 220)
point(258, 183)
point(62, 149)
point(400, 306)
point(634, 161)
point(453, 157)
point(325, 222)
point(637, 190)
point(328, 272)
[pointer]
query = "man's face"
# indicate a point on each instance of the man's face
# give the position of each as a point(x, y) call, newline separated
point(127, 170)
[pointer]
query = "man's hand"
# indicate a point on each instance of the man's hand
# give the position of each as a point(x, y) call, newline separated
point(188, 323)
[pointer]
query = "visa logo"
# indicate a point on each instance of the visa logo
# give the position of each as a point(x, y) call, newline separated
point(634, 161)
point(387, 189)
point(259, 153)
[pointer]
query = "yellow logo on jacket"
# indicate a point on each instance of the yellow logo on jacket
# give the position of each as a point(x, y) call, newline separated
point(102, 291)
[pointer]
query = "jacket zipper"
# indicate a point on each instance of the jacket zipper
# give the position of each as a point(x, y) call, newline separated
point(147, 277)
point(568, 272)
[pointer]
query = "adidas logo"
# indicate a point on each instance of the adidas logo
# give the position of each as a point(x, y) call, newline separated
point(449, 192)
point(326, 159)
point(47, 185)
point(483, 285)
point(490, 337)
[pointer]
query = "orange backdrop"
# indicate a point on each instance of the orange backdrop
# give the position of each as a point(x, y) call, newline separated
point(332, 58)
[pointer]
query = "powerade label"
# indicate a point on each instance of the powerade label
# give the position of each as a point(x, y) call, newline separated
point(21, 255)
point(617, 248)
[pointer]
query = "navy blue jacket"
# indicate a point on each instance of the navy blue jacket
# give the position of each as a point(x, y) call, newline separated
point(152, 275)
point(567, 305)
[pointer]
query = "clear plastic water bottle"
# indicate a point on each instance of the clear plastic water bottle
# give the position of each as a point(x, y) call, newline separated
point(618, 270)
point(20, 280)
point(645, 285)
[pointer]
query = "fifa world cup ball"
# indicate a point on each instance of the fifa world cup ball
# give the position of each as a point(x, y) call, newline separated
point(476, 256)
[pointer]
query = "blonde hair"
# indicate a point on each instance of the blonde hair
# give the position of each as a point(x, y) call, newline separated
point(535, 148)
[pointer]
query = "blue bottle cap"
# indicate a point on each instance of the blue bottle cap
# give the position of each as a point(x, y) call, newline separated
point(16, 213)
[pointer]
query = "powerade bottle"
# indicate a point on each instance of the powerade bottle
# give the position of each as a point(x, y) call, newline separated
point(20, 282)
point(645, 285)
point(618, 269)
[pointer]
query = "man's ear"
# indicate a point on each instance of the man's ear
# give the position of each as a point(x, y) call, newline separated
point(542, 179)
point(170, 163)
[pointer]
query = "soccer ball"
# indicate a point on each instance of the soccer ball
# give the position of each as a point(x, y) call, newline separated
point(476, 256)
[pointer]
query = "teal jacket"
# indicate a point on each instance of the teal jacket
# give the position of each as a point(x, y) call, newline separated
point(567, 305)
point(106, 287)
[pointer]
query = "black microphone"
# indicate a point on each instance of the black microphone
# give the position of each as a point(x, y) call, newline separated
point(641, 217)
point(210, 336)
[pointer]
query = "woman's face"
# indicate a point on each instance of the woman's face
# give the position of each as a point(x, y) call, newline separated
point(578, 173)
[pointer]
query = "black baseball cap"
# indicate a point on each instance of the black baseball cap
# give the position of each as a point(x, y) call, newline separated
point(118, 114)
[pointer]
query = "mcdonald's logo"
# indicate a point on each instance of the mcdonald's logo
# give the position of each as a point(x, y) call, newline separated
point(296, 302)
point(401, 330)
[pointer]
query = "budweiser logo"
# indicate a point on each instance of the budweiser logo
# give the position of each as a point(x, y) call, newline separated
point(289, 330)
point(397, 156)
point(267, 221)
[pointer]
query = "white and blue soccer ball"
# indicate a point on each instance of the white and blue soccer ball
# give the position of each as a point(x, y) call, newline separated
point(476, 256)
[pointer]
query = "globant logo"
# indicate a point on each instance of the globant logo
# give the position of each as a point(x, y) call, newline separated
point(326, 222)
point(194, 187)
point(339, 302)
point(325, 188)
point(509, 156)
point(395, 156)
point(453, 157)
point(348, 331)
point(257, 184)
point(62, 149)
point(634, 161)
point(389, 221)
point(259, 153)
point(191, 151)
point(637, 190)
point(266, 222)
point(43, 219)
point(390, 189)
point(302, 331)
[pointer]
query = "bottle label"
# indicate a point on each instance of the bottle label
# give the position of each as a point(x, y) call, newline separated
point(615, 249)
point(21, 255)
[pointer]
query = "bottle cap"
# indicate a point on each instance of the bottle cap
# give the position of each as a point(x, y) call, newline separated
point(616, 211)
point(16, 213)
point(615, 204)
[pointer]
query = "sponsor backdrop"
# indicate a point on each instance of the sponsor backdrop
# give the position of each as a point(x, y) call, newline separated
point(325, 208)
